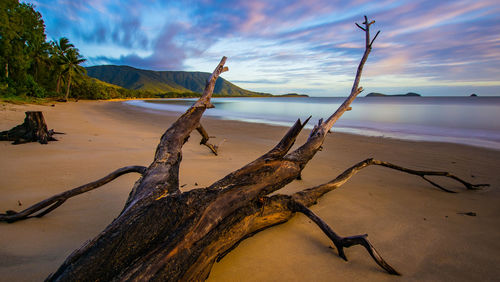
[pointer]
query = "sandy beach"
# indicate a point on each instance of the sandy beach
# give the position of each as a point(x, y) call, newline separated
point(418, 229)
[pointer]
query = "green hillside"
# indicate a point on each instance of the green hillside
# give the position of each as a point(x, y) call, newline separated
point(164, 81)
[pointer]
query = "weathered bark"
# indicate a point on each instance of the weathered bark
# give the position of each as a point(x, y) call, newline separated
point(33, 129)
point(156, 216)
point(164, 234)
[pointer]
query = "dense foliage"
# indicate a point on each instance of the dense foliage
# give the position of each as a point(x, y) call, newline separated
point(23, 50)
point(31, 67)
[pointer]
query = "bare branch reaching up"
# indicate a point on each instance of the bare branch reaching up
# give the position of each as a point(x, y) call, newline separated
point(316, 138)
point(209, 87)
point(162, 176)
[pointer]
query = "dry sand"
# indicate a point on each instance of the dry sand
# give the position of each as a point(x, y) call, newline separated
point(416, 227)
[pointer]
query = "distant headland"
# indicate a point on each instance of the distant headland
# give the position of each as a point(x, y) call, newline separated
point(409, 94)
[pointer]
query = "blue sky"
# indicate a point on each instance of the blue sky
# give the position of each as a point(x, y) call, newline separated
point(445, 48)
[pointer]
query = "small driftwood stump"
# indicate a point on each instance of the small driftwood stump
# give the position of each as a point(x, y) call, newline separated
point(33, 129)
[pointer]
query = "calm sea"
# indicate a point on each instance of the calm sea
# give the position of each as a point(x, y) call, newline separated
point(464, 120)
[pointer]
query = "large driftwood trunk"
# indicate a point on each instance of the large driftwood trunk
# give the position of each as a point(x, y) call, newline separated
point(164, 234)
point(33, 129)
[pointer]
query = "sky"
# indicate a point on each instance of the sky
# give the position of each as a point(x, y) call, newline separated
point(435, 48)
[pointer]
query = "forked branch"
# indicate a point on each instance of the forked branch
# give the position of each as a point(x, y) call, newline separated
point(204, 139)
point(344, 242)
point(300, 200)
point(309, 196)
point(423, 174)
point(55, 201)
point(210, 84)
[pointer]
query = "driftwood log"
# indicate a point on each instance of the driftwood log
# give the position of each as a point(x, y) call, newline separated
point(164, 234)
point(33, 129)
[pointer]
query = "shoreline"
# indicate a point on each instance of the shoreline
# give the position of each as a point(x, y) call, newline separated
point(481, 138)
point(414, 226)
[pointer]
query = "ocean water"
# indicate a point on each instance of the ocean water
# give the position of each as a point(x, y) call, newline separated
point(464, 120)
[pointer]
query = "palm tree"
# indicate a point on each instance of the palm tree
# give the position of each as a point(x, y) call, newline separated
point(72, 61)
point(59, 50)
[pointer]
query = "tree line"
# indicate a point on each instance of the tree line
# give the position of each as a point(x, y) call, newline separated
point(32, 67)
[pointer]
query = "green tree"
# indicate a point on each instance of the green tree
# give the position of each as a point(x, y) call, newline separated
point(40, 58)
point(58, 53)
point(9, 31)
point(71, 64)
point(22, 37)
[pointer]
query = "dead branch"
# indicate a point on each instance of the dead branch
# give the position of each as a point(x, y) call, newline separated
point(205, 138)
point(277, 209)
point(345, 242)
point(309, 196)
point(313, 144)
point(57, 200)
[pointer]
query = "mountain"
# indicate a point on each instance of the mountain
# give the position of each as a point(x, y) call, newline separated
point(409, 94)
point(164, 81)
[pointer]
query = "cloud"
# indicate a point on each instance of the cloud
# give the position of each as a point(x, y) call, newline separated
point(262, 81)
point(293, 42)
point(394, 64)
point(167, 55)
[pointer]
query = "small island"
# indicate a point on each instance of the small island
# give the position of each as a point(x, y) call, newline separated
point(409, 94)
point(292, 95)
